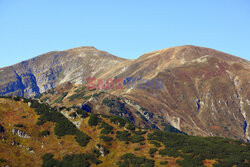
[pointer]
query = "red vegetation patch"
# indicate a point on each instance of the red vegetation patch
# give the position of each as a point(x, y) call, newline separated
point(208, 162)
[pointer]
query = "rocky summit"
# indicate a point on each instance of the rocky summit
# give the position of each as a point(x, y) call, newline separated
point(202, 91)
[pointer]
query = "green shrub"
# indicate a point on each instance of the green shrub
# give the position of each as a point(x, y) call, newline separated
point(131, 127)
point(96, 152)
point(44, 133)
point(65, 127)
point(73, 115)
point(19, 125)
point(170, 128)
point(163, 162)
point(108, 102)
point(106, 138)
point(137, 149)
point(82, 138)
point(118, 120)
point(137, 138)
point(40, 122)
point(82, 113)
point(131, 160)
point(152, 150)
point(123, 135)
point(76, 96)
point(140, 132)
point(191, 162)
point(60, 99)
point(49, 161)
point(169, 152)
point(73, 160)
point(155, 143)
point(87, 97)
point(142, 116)
point(106, 128)
point(94, 120)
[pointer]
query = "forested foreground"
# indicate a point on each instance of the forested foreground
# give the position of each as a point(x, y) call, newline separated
point(104, 140)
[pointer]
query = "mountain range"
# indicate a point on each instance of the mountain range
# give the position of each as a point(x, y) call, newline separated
point(203, 92)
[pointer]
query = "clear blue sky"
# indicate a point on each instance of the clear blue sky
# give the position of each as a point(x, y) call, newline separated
point(126, 28)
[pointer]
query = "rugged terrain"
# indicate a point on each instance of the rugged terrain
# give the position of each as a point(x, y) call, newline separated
point(203, 92)
point(33, 133)
point(34, 76)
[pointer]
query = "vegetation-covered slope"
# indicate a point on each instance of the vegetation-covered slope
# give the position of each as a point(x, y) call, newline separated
point(36, 134)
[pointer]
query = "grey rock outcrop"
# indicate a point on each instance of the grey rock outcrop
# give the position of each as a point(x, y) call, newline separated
point(20, 133)
point(103, 151)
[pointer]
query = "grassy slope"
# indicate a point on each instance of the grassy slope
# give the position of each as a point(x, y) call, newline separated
point(13, 112)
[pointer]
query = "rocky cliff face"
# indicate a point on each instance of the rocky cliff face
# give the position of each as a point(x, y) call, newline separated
point(204, 92)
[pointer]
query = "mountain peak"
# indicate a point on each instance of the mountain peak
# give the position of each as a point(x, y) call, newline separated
point(82, 48)
point(190, 53)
